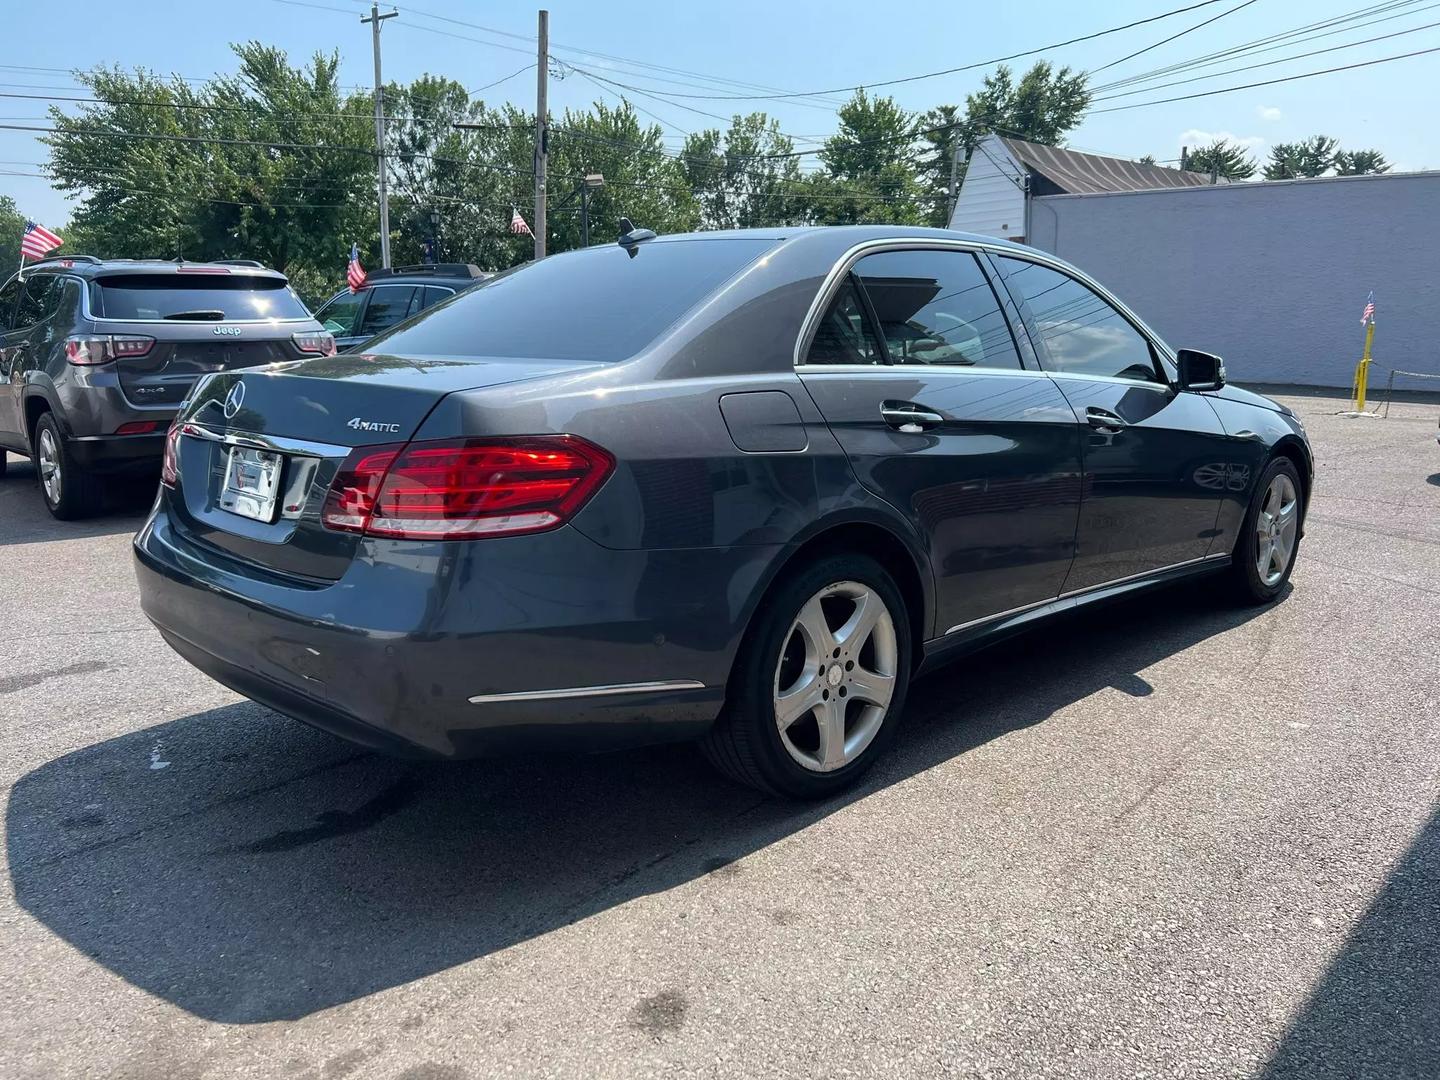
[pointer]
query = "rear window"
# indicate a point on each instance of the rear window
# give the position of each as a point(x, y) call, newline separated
point(599, 304)
point(203, 298)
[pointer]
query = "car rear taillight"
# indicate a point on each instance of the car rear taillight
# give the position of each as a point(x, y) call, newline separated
point(170, 464)
point(316, 342)
point(140, 427)
point(465, 489)
point(88, 351)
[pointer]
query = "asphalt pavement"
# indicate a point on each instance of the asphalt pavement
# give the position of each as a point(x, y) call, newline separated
point(1167, 838)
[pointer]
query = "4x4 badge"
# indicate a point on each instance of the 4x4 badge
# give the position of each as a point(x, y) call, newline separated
point(234, 400)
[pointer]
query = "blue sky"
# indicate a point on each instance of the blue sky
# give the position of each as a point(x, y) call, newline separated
point(782, 45)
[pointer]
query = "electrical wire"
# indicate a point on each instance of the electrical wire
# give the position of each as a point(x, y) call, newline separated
point(1172, 37)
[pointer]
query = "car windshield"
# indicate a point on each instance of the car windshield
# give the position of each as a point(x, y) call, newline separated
point(338, 316)
point(603, 304)
point(204, 298)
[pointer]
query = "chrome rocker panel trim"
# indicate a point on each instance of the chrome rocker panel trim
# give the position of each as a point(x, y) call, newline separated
point(590, 691)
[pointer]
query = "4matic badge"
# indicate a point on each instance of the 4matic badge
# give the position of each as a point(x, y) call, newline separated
point(356, 424)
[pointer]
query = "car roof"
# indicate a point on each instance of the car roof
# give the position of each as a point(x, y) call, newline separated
point(91, 267)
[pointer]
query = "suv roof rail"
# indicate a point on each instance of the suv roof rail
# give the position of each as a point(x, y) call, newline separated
point(65, 258)
point(446, 269)
point(239, 262)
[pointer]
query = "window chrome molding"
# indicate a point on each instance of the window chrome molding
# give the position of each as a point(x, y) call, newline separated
point(1076, 593)
point(831, 284)
point(589, 691)
point(895, 370)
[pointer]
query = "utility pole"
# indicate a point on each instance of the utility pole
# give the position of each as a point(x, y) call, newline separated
point(375, 20)
point(954, 175)
point(1184, 158)
point(542, 149)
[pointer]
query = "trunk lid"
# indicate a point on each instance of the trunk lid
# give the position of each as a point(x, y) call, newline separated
point(303, 419)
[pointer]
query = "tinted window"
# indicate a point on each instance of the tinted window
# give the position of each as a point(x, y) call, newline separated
point(38, 301)
point(388, 305)
point(937, 307)
point(1081, 333)
point(8, 295)
point(434, 294)
point(201, 297)
point(597, 304)
point(845, 335)
point(338, 316)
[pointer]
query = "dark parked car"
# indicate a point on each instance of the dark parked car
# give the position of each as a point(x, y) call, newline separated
point(391, 297)
point(95, 357)
point(740, 487)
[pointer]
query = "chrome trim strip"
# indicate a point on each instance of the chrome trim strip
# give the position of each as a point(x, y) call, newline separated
point(590, 691)
point(265, 442)
point(893, 371)
point(847, 260)
point(1081, 592)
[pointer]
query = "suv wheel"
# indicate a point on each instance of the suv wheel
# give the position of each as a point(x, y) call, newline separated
point(819, 684)
point(70, 492)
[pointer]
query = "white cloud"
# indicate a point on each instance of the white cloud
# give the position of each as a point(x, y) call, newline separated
point(1195, 138)
point(1268, 112)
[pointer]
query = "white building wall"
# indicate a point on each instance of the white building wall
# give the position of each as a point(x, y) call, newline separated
point(1272, 276)
point(990, 200)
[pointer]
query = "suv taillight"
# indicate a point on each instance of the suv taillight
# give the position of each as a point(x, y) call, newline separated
point(315, 342)
point(465, 489)
point(170, 463)
point(87, 351)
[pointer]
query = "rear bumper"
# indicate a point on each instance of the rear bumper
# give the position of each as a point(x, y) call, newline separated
point(118, 453)
point(590, 649)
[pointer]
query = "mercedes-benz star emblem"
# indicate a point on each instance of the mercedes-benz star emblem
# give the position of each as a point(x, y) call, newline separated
point(234, 400)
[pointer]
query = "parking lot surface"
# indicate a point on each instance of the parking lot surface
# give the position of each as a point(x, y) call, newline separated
point(1164, 838)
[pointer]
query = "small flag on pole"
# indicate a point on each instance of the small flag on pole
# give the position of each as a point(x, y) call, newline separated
point(1367, 317)
point(355, 273)
point(36, 241)
point(517, 224)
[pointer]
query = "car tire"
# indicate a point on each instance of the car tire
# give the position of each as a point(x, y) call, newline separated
point(69, 491)
point(827, 644)
point(1269, 539)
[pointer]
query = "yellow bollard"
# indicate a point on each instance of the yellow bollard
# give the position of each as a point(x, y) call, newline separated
point(1362, 369)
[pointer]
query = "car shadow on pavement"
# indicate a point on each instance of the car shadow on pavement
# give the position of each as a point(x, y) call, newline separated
point(1376, 1012)
point(24, 519)
point(249, 869)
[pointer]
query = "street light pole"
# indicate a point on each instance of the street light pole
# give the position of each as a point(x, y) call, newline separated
point(542, 148)
point(435, 235)
point(375, 20)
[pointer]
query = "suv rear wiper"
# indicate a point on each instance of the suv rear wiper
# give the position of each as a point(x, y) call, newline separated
point(198, 315)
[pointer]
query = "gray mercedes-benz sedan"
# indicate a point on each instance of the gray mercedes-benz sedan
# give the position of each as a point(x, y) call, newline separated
point(739, 487)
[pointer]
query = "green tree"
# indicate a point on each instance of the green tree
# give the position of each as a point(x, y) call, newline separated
point(12, 227)
point(1360, 163)
point(1310, 157)
point(942, 137)
point(743, 177)
point(869, 172)
point(1223, 157)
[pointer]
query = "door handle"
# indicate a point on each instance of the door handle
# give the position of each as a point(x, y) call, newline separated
point(908, 417)
point(1103, 419)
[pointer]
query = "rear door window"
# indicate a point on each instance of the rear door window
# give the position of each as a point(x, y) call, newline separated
point(845, 335)
point(433, 295)
point(198, 298)
point(602, 303)
point(388, 305)
point(9, 295)
point(38, 301)
point(937, 308)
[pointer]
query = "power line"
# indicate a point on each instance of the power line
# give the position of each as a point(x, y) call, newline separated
point(1269, 63)
point(870, 85)
point(1172, 37)
point(1270, 82)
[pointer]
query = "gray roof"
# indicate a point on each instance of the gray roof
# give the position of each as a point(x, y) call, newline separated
point(1085, 174)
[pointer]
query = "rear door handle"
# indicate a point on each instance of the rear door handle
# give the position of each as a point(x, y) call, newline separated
point(1103, 419)
point(908, 417)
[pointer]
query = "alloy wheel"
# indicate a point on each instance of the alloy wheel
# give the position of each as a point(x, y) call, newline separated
point(835, 676)
point(1275, 529)
point(48, 462)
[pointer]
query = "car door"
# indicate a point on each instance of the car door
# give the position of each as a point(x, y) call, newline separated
point(940, 417)
point(12, 366)
point(386, 306)
point(340, 315)
point(1149, 450)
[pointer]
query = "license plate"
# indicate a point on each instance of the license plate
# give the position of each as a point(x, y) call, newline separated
point(252, 478)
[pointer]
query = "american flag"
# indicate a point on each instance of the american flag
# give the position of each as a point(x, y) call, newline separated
point(355, 273)
point(1368, 315)
point(37, 240)
point(517, 224)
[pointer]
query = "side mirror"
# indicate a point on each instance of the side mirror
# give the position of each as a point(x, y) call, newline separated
point(1200, 370)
